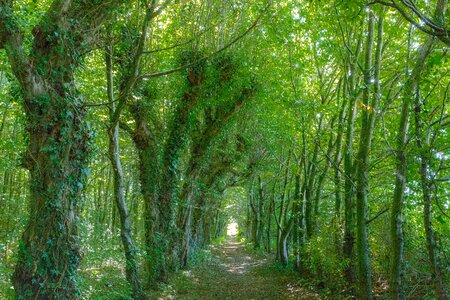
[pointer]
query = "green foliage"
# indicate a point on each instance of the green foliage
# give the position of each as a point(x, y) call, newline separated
point(324, 260)
point(262, 106)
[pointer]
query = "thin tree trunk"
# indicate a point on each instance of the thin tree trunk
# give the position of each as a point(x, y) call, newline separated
point(426, 185)
point(362, 169)
point(296, 224)
point(410, 90)
point(410, 87)
point(269, 222)
point(260, 225)
point(349, 231)
point(309, 205)
point(131, 267)
point(320, 181)
point(284, 239)
point(338, 158)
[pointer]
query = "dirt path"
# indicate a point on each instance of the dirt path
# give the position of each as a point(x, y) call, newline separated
point(235, 273)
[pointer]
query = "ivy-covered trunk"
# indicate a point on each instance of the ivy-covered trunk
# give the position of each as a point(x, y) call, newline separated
point(49, 253)
point(186, 232)
point(169, 164)
point(198, 214)
point(146, 145)
point(147, 176)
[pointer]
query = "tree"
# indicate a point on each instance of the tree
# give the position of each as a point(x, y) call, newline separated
point(57, 149)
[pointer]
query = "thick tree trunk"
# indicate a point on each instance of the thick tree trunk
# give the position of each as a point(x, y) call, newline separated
point(170, 159)
point(148, 172)
point(48, 255)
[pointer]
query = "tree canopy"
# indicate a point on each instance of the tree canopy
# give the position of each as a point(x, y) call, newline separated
point(133, 133)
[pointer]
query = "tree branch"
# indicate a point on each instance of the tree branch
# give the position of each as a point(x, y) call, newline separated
point(377, 215)
point(133, 73)
point(435, 29)
point(232, 42)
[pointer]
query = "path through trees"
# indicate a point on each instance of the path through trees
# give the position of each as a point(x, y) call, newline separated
point(236, 272)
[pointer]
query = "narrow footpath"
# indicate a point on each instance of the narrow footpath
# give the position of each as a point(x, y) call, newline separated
point(236, 273)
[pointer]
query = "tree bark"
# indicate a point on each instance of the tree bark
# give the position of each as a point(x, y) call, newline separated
point(409, 90)
point(131, 267)
point(170, 159)
point(401, 172)
point(349, 231)
point(426, 185)
point(48, 255)
point(148, 154)
point(369, 110)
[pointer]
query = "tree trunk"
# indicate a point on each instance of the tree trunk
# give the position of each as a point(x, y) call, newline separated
point(284, 242)
point(309, 205)
point(148, 172)
point(338, 158)
point(349, 231)
point(170, 159)
point(131, 267)
point(296, 223)
point(324, 173)
point(410, 88)
point(362, 165)
point(269, 222)
point(426, 185)
point(260, 224)
point(48, 255)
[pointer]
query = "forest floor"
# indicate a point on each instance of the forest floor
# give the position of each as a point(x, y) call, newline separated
point(236, 272)
point(229, 270)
